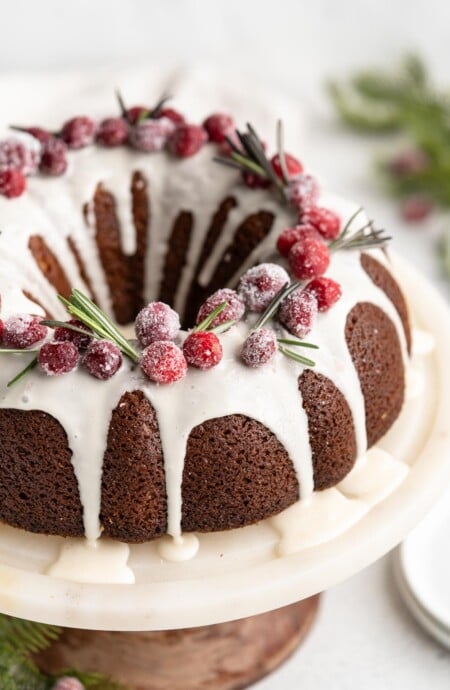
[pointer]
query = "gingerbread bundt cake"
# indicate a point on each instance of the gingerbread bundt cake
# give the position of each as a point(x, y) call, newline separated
point(218, 433)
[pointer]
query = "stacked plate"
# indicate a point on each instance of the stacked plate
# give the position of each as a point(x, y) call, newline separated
point(422, 571)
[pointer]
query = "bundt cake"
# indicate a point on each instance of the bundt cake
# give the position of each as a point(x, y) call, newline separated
point(145, 216)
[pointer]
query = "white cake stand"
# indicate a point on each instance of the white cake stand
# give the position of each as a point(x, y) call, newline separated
point(238, 574)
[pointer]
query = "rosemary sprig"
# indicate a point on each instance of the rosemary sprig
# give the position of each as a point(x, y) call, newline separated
point(367, 237)
point(24, 371)
point(297, 343)
point(296, 357)
point(273, 306)
point(70, 327)
point(150, 113)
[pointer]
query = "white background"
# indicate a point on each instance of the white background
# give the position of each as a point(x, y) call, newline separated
point(364, 639)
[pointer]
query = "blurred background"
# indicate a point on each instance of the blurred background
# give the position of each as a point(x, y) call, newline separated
point(364, 638)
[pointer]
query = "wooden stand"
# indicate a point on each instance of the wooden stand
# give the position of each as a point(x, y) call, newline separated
point(228, 656)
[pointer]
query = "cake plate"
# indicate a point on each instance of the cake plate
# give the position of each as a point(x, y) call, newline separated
point(237, 575)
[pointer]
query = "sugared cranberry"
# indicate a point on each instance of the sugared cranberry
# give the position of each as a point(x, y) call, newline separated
point(260, 284)
point(411, 162)
point(54, 157)
point(2, 326)
point(290, 236)
point(151, 135)
point(42, 135)
point(225, 148)
point(302, 191)
point(136, 113)
point(202, 349)
point(326, 290)
point(58, 358)
point(68, 683)
point(255, 181)
point(78, 132)
point(23, 156)
point(80, 340)
point(293, 166)
point(102, 359)
point(298, 312)
point(112, 132)
point(163, 362)
point(325, 221)
point(187, 140)
point(176, 117)
point(218, 126)
point(309, 258)
point(234, 310)
point(259, 347)
point(416, 208)
point(23, 330)
point(12, 183)
point(156, 321)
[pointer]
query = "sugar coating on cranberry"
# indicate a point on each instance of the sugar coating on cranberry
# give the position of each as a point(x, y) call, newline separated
point(302, 191)
point(260, 284)
point(202, 349)
point(187, 140)
point(163, 362)
point(298, 312)
point(102, 359)
point(68, 683)
point(259, 347)
point(58, 358)
point(156, 321)
point(113, 131)
point(12, 183)
point(326, 290)
point(289, 236)
point(20, 152)
point(325, 221)
point(293, 166)
point(2, 327)
point(54, 157)
point(218, 126)
point(309, 258)
point(233, 311)
point(172, 114)
point(78, 132)
point(23, 330)
point(80, 340)
point(151, 135)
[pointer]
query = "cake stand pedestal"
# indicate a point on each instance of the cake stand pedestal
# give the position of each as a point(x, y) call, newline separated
point(227, 656)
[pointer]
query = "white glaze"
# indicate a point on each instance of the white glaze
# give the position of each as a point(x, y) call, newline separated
point(99, 562)
point(53, 208)
point(178, 549)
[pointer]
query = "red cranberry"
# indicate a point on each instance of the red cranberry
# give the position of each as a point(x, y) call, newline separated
point(290, 236)
point(156, 321)
point(78, 339)
point(137, 113)
point(151, 135)
point(202, 349)
point(112, 132)
point(102, 359)
point(309, 258)
point(2, 326)
point(302, 191)
point(78, 132)
point(68, 683)
point(326, 291)
point(23, 156)
point(412, 162)
point(234, 311)
point(187, 140)
point(163, 362)
point(58, 358)
point(12, 183)
point(416, 208)
point(54, 157)
point(259, 347)
point(260, 284)
point(23, 330)
point(42, 135)
point(255, 181)
point(325, 221)
point(293, 166)
point(298, 312)
point(218, 126)
point(176, 117)
point(225, 149)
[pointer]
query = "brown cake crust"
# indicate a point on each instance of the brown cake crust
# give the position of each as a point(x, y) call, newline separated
point(38, 487)
point(176, 255)
point(134, 504)
point(49, 265)
point(386, 282)
point(376, 353)
point(236, 472)
point(331, 429)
